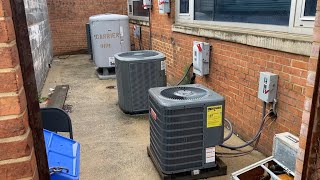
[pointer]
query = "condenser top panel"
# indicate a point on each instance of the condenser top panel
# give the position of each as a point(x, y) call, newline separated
point(140, 55)
point(186, 95)
point(108, 17)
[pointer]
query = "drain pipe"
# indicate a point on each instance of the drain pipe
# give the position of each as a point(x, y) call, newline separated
point(150, 33)
point(185, 75)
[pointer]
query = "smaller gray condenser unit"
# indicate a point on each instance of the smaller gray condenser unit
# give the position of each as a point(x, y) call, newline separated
point(186, 124)
point(137, 72)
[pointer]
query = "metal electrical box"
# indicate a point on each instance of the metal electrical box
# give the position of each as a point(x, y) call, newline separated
point(186, 124)
point(164, 6)
point(268, 85)
point(147, 4)
point(137, 31)
point(201, 58)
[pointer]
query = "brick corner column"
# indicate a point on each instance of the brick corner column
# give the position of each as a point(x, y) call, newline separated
point(308, 133)
point(17, 156)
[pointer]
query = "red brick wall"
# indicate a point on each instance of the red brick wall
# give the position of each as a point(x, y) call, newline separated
point(144, 42)
point(234, 73)
point(68, 20)
point(17, 158)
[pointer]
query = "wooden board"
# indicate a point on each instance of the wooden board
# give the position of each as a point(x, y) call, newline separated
point(59, 96)
point(220, 170)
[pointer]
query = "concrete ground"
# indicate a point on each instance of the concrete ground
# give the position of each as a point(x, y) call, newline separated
point(113, 144)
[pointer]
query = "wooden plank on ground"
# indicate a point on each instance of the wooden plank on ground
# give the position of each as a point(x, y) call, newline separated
point(59, 96)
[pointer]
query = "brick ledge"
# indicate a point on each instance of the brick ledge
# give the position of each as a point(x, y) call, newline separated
point(280, 41)
point(139, 22)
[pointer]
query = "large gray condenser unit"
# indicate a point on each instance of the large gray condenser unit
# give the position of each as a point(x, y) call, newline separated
point(109, 35)
point(137, 72)
point(186, 124)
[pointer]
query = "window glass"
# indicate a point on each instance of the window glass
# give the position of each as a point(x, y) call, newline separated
point(276, 12)
point(138, 9)
point(184, 6)
point(310, 8)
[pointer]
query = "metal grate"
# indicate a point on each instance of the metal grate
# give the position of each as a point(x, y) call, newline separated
point(183, 93)
point(140, 83)
point(177, 137)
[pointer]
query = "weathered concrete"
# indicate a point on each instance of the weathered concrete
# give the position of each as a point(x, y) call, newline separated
point(40, 38)
point(113, 145)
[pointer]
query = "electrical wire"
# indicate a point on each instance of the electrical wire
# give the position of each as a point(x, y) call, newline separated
point(231, 130)
point(185, 75)
point(243, 153)
point(140, 42)
point(150, 32)
point(251, 141)
point(257, 134)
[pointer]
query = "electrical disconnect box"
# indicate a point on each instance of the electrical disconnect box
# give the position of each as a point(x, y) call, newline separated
point(137, 31)
point(201, 57)
point(268, 85)
point(164, 6)
point(147, 4)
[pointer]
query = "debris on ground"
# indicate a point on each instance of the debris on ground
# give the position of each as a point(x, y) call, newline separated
point(111, 87)
point(67, 108)
point(43, 101)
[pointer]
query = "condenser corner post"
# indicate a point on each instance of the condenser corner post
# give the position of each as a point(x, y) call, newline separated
point(109, 35)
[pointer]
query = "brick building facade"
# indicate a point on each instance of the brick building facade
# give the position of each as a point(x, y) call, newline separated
point(234, 72)
point(234, 67)
point(236, 61)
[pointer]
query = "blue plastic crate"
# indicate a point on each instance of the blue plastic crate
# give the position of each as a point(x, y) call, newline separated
point(62, 152)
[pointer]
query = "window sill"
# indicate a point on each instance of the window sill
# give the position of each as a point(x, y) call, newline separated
point(280, 41)
point(139, 21)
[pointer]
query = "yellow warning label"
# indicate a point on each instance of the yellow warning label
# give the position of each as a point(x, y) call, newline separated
point(214, 116)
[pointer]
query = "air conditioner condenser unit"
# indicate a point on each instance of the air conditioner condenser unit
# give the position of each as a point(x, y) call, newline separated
point(186, 124)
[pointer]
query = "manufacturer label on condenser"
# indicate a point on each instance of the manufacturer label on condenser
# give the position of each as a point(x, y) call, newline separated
point(210, 154)
point(214, 116)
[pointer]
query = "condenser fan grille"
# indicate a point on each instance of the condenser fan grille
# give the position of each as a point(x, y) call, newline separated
point(183, 93)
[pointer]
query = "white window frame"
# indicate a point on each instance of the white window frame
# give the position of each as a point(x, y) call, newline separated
point(185, 16)
point(142, 18)
point(297, 24)
point(301, 19)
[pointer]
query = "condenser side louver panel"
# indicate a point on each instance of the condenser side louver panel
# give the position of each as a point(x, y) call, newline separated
point(137, 72)
point(143, 76)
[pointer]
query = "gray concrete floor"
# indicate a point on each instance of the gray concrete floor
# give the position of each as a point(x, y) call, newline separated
point(113, 145)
